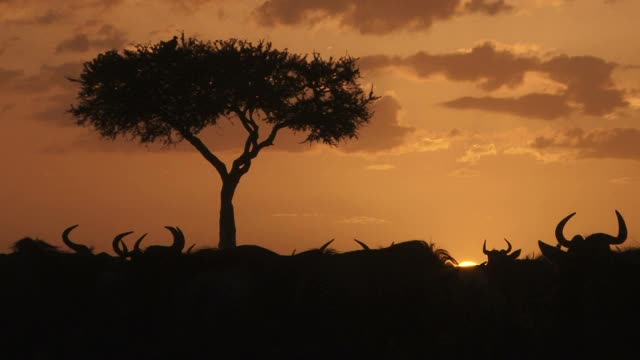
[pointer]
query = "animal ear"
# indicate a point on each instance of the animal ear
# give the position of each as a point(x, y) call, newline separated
point(514, 255)
point(552, 253)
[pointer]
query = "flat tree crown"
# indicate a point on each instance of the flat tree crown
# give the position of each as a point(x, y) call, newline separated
point(174, 89)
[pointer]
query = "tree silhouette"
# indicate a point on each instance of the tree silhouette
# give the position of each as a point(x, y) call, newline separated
point(172, 90)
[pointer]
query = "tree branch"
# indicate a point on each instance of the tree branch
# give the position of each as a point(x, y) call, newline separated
point(247, 122)
point(269, 140)
point(252, 128)
point(202, 148)
point(242, 164)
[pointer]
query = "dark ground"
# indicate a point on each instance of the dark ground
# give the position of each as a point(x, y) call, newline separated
point(377, 304)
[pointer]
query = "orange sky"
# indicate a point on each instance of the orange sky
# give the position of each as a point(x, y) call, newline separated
point(497, 119)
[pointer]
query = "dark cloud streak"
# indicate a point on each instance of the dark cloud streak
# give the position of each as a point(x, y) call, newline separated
point(373, 16)
point(586, 81)
point(383, 133)
point(536, 105)
point(45, 12)
point(488, 7)
point(612, 143)
point(107, 37)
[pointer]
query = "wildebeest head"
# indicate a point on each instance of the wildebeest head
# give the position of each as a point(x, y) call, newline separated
point(174, 249)
point(120, 247)
point(499, 257)
point(322, 250)
point(594, 246)
point(78, 248)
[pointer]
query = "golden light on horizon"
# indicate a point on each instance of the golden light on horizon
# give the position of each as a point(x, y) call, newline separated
point(467, 263)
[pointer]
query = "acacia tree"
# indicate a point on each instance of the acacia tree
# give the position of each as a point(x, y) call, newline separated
point(172, 90)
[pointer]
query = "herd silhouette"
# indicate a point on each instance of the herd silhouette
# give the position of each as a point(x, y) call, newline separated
point(407, 300)
point(594, 247)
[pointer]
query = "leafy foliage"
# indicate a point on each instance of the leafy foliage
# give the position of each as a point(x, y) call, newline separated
point(178, 87)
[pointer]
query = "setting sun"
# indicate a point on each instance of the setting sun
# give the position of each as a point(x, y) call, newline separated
point(467, 264)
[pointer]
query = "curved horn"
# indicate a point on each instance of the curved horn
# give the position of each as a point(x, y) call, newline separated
point(484, 247)
point(364, 246)
point(509, 245)
point(559, 235)
point(178, 238)
point(293, 252)
point(78, 248)
point(323, 247)
point(115, 244)
point(622, 231)
point(125, 248)
point(190, 248)
point(136, 246)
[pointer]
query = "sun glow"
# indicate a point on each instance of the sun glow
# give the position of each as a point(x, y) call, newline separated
point(467, 264)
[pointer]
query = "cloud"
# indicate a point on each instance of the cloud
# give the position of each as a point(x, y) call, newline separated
point(476, 152)
point(7, 76)
point(380, 167)
point(108, 37)
point(44, 95)
point(50, 17)
point(464, 173)
point(305, 214)
point(191, 5)
point(363, 220)
point(542, 106)
point(44, 12)
point(585, 82)
point(55, 116)
point(34, 17)
point(6, 43)
point(384, 132)
point(48, 77)
point(373, 16)
point(78, 43)
point(485, 65)
point(588, 80)
point(612, 143)
point(624, 180)
point(487, 7)
point(7, 107)
point(423, 141)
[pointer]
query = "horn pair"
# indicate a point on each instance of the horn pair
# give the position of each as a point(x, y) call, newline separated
point(622, 232)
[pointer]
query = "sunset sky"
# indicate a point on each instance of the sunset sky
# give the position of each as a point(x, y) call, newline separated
point(497, 118)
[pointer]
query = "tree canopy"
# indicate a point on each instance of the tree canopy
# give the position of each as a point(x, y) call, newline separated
point(162, 91)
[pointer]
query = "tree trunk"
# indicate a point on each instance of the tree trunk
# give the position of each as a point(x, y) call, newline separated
point(227, 217)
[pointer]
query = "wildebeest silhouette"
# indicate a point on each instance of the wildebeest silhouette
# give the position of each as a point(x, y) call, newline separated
point(174, 249)
point(500, 257)
point(594, 247)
